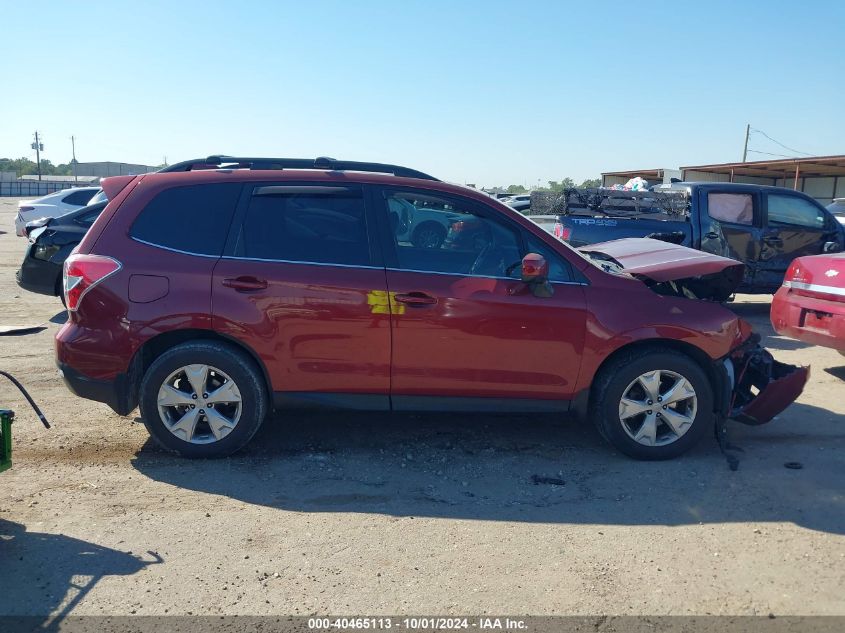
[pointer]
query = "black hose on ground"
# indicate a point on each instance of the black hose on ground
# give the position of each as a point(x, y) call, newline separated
point(29, 399)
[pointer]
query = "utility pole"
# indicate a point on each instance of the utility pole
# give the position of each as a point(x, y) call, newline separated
point(38, 147)
point(745, 149)
point(73, 147)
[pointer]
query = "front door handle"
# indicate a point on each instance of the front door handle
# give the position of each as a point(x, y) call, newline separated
point(712, 235)
point(415, 299)
point(773, 241)
point(245, 283)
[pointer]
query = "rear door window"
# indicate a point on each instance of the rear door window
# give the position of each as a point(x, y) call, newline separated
point(305, 224)
point(795, 211)
point(79, 198)
point(736, 208)
point(191, 219)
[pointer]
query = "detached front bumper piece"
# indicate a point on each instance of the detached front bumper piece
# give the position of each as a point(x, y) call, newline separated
point(763, 387)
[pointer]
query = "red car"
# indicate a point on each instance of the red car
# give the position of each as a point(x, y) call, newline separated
point(810, 306)
point(219, 289)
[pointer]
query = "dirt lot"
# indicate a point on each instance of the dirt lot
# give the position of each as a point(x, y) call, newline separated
point(372, 514)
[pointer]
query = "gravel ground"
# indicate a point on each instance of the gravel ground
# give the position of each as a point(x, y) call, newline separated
point(376, 514)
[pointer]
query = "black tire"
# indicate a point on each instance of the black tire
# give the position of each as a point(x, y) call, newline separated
point(60, 291)
point(612, 381)
point(228, 359)
point(429, 235)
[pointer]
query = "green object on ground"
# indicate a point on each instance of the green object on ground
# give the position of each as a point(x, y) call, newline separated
point(6, 418)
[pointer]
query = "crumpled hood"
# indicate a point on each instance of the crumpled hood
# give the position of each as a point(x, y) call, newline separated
point(660, 262)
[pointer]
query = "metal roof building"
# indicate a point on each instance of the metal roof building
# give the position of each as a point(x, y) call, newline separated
point(822, 177)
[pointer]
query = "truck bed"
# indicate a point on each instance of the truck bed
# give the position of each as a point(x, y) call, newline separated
point(587, 216)
point(579, 230)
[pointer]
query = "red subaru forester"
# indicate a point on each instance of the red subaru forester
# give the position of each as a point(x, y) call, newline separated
point(221, 288)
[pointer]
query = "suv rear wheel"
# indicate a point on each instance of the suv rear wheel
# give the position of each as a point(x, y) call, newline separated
point(203, 399)
point(653, 404)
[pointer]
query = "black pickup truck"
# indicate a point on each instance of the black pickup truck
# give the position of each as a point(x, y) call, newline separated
point(763, 227)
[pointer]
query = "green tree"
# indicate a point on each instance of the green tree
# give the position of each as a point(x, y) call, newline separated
point(516, 189)
point(566, 183)
point(26, 167)
point(591, 183)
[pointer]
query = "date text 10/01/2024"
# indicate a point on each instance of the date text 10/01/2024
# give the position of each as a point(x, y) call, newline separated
point(417, 623)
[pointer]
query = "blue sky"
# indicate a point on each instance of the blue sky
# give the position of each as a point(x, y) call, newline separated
point(483, 92)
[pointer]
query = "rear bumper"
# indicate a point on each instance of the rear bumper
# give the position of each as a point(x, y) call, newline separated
point(38, 276)
point(92, 366)
point(809, 319)
point(111, 392)
point(761, 386)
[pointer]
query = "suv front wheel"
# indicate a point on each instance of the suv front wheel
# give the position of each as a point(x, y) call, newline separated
point(203, 399)
point(653, 404)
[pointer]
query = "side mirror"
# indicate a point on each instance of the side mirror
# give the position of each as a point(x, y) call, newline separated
point(535, 273)
point(831, 247)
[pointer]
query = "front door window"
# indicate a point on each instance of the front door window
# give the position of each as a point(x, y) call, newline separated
point(437, 235)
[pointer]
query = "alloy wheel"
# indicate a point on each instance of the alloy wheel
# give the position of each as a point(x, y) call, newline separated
point(428, 238)
point(658, 407)
point(199, 404)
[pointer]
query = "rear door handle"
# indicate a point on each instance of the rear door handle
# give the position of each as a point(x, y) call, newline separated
point(712, 235)
point(773, 241)
point(416, 299)
point(243, 284)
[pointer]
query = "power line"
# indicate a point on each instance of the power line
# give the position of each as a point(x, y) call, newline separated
point(778, 143)
point(770, 154)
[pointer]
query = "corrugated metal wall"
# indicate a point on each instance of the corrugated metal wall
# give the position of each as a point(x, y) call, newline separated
point(609, 181)
point(822, 188)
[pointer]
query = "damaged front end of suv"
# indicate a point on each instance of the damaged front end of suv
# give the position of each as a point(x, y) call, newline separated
point(754, 386)
point(760, 386)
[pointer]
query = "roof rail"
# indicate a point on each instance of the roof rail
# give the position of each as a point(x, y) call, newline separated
point(321, 163)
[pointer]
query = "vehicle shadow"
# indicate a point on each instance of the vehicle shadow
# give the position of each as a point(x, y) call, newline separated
point(750, 309)
point(22, 330)
point(46, 575)
point(59, 318)
point(521, 468)
point(836, 372)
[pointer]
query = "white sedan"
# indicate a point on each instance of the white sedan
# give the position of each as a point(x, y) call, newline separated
point(52, 206)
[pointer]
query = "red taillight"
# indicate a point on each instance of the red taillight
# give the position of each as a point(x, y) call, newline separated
point(794, 272)
point(562, 232)
point(83, 272)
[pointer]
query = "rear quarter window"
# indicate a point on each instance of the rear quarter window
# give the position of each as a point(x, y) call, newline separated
point(192, 219)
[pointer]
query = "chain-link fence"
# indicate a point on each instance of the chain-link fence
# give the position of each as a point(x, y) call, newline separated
point(542, 202)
